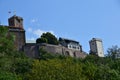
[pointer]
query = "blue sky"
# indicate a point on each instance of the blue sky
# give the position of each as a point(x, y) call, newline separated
point(80, 20)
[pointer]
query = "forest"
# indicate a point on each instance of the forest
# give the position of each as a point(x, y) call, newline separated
point(16, 65)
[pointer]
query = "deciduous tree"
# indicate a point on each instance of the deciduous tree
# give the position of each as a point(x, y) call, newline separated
point(47, 38)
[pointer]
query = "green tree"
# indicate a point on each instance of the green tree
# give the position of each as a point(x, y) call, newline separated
point(41, 40)
point(9, 76)
point(6, 41)
point(13, 64)
point(47, 38)
point(68, 68)
point(56, 69)
point(104, 72)
point(113, 51)
point(6, 49)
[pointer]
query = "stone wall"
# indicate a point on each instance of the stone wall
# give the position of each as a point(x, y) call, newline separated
point(32, 50)
point(19, 38)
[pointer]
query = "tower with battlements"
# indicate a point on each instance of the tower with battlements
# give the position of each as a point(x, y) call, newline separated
point(16, 28)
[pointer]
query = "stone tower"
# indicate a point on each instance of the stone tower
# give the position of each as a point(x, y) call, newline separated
point(16, 28)
point(96, 47)
point(16, 21)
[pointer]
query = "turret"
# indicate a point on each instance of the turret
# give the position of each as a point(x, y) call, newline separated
point(96, 47)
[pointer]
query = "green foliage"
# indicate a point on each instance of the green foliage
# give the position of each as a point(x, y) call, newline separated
point(3, 31)
point(15, 65)
point(52, 67)
point(112, 51)
point(104, 72)
point(47, 38)
point(41, 40)
point(56, 69)
point(6, 41)
point(90, 68)
point(106, 68)
point(8, 76)
point(22, 65)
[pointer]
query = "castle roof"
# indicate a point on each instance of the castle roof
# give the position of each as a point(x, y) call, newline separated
point(68, 40)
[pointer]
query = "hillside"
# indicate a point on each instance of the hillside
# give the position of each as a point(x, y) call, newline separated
point(15, 65)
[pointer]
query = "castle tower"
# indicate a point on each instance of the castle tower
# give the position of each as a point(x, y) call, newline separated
point(16, 28)
point(96, 47)
point(16, 21)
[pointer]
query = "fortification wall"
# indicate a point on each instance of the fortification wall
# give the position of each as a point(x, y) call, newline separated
point(57, 49)
point(32, 50)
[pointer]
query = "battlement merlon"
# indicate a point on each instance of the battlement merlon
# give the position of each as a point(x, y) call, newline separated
point(16, 21)
point(95, 39)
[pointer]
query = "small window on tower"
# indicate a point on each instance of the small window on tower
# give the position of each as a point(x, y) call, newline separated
point(18, 20)
point(92, 43)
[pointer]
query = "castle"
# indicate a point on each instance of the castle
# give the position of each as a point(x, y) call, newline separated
point(66, 47)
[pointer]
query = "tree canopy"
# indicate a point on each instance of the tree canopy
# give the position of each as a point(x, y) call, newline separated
point(47, 38)
point(6, 40)
point(113, 51)
point(13, 64)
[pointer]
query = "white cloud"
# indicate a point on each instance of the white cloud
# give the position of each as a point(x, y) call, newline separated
point(34, 20)
point(30, 30)
point(51, 32)
point(39, 32)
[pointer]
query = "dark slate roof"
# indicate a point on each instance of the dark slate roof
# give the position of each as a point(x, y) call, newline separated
point(68, 40)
